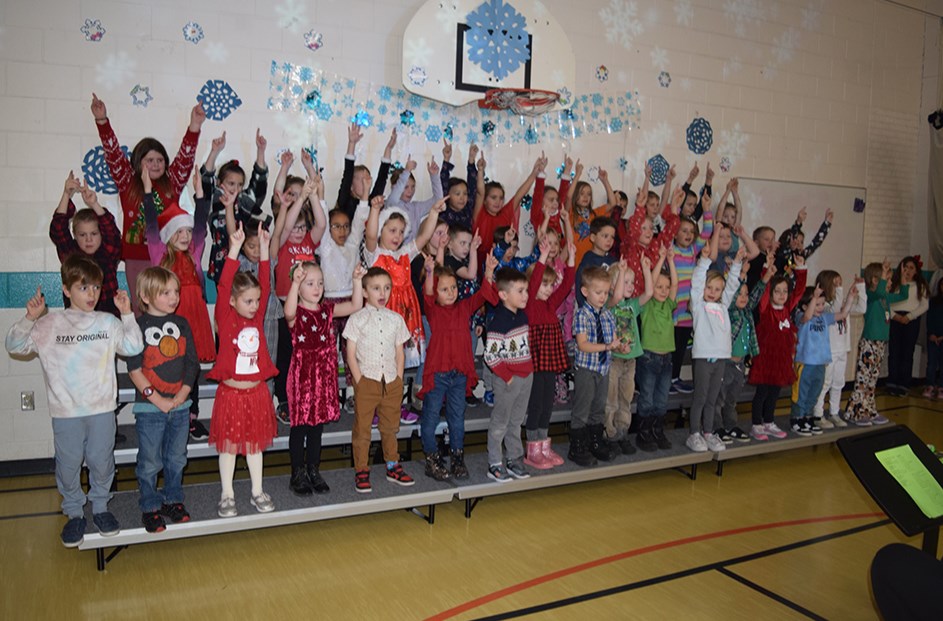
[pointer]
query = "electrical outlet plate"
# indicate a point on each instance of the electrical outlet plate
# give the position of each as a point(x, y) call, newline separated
point(27, 400)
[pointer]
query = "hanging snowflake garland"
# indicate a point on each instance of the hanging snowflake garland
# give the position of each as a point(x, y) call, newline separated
point(531, 136)
point(664, 79)
point(487, 128)
point(361, 119)
point(659, 166)
point(313, 100)
point(193, 32)
point(141, 95)
point(93, 30)
point(497, 38)
point(407, 118)
point(219, 99)
point(314, 41)
point(700, 136)
point(96, 172)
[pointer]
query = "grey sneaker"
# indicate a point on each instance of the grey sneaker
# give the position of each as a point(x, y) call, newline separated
point(227, 508)
point(696, 443)
point(106, 524)
point(837, 421)
point(497, 472)
point(824, 423)
point(73, 533)
point(714, 443)
point(517, 470)
point(262, 503)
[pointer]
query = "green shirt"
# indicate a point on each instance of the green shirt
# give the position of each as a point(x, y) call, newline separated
point(658, 331)
point(626, 313)
point(877, 317)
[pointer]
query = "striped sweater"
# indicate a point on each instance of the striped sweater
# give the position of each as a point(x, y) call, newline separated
point(685, 260)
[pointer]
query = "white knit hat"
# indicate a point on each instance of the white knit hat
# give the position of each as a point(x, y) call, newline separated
point(389, 211)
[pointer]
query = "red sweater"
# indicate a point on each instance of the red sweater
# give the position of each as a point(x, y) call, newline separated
point(243, 355)
point(633, 251)
point(536, 206)
point(544, 312)
point(776, 336)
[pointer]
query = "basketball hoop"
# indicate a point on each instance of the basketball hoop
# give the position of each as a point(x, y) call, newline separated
point(523, 101)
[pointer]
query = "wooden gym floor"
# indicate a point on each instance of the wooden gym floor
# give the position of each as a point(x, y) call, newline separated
point(784, 536)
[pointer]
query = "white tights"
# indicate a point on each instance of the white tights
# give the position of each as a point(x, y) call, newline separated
point(227, 467)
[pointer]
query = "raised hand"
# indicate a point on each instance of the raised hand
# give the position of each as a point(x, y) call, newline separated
point(446, 150)
point(310, 187)
point(72, 185)
point(228, 199)
point(799, 260)
point(706, 251)
point(297, 275)
point(801, 216)
point(197, 181)
point(377, 203)
point(88, 195)
point(491, 263)
point(98, 108)
point(392, 141)
point(237, 237)
point(146, 180)
point(264, 236)
point(646, 264)
point(738, 230)
point(429, 265)
point(359, 272)
point(695, 171)
point(817, 292)
point(287, 159)
point(197, 117)
point(433, 168)
point(829, 215)
point(677, 197)
point(354, 133)
point(439, 206)
point(123, 302)
point(36, 305)
point(672, 173)
point(662, 252)
point(579, 167)
point(476, 241)
point(307, 162)
point(603, 175)
point(510, 235)
point(709, 176)
point(472, 153)
point(741, 254)
point(219, 143)
point(482, 164)
point(260, 141)
point(410, 164)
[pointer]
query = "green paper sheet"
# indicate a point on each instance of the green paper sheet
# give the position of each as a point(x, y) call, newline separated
point(914, 477)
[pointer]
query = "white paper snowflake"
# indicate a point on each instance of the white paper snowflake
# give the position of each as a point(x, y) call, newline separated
point(732, 67)
point(296, 130)
point(417, 75)
point(539, 9)
point(744, 13)
point(660, 59)
point(650, 17)
point(684, 13)
point(216, 52)
point(292, 15)
point(769, 72)
point(812, 15)
point(655, 139)
point(784, 45)
point(732, 143)
point(685, 84)
point(115, 69)
point(418, 52)
point(621, 21)
point(447, 15)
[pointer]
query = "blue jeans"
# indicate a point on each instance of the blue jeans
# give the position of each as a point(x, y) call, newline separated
point(810, 386)
point(449, 387)
point(425, 347)
point(162, 444)
point(88, 439)
point(654, 380)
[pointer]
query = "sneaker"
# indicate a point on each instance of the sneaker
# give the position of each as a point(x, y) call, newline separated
point(106, 524)
point(877, 419)
point(153, 522)
point(929, 392)
point(362, 482)
point(738, 434)
point(489, 398)
point(376, 421)
point(723, 435)
point(471, 401)
point(73, 533)
point(281, 413)
point(682, 387)
point(516, 469)
point(862, 422)
point(497, 472)
point(397, 475)
point(772, 429)
point(408, 417)
point(227, 507)
point(823, 422)
point(350, 405)
point(813, 424)
point(197, 430)
point(837, 420)
point(758, 432)
point(803, 427)
point(714, 443)
point(262, 503)
point(176, 512)
point(672, 389)
point(696, 443)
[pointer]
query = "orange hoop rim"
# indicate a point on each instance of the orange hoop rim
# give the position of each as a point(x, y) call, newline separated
point(520, 100)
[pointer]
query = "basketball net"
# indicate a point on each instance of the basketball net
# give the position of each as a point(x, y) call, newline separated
point(523, 101)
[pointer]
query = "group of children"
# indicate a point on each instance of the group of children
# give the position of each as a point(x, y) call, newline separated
point(610, 294)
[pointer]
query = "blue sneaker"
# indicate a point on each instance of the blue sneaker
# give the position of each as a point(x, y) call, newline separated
point(489, 398)
point(73, 533)
point(106, 524)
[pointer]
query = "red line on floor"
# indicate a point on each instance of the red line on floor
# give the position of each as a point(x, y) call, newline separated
point(569, 571)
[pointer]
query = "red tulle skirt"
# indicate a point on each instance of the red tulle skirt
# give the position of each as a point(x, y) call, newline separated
point(194, 310)
point(243, 420)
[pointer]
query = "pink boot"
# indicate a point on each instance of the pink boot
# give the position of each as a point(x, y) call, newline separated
point(550, 456)
point(535, 458)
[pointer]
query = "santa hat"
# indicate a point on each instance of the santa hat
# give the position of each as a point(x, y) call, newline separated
point(171, 220)
point(389, 211)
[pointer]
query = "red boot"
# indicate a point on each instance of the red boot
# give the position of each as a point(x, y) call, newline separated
point(535, 458)
point(550, 456)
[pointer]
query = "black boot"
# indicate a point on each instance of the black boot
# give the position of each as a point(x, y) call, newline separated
point(626, 445)
point(435, 468)
point(598, 445)
point(299, 483)
point(579, 452)
point(318, 484)
point(457, 464)
point(646, 436)
point(658, 430)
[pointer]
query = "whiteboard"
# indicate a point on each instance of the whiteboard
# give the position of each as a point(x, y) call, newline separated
point(776, 203)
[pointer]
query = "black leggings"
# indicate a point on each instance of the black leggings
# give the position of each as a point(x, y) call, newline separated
point(298, 438)
point(900, 352)
point(540, 405)
point(764, 403)
point(682, 336)
point(282, 360)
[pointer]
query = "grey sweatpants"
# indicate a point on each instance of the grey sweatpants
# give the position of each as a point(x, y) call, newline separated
point(88, 439)
point(734, 378)
point(708, 379)
point(510, 409)
point(590, 391)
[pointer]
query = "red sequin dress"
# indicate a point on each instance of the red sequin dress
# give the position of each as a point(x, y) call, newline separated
point(312, 375)
point(193, 307)
point(403, 300)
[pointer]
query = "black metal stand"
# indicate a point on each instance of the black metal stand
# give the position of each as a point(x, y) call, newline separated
point(931, 540)
point(101, 560)
point(692, 474)
point(470, 504)
point(720, 469)
point(429, 518)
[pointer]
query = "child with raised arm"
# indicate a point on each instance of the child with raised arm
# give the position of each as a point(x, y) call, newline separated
point(77, 348)
point(375, 339)
point(460, 194)
point(626, 311)
point(355, 183)
point(792, 240)
point(94, 234)
point(404, 189)
point(231, 179)
point(449, 371)
point(640, 238)
point(243, 420)
point(581, 212)
point(491, 212)
point(312, 375)
point(163, 375)
point(548, 353)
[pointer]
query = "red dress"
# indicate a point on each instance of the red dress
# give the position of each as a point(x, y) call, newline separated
point(403, 300)
point(312, 376)
point(193, 307)
point(776, 336)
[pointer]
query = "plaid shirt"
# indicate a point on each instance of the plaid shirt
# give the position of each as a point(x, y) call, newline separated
point(742, 318)
point(584, 322)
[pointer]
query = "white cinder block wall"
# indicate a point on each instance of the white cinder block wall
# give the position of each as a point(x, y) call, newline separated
point(805, 90)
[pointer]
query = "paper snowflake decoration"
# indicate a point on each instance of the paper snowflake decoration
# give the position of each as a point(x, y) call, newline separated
point(684, 13)
point(447, 132)
point(621, 21)
point(743, 13)
point(526, 202)
point(659, 166)
point(433, 133)
point(314, 41)
point(565, 96)
point(216, 52)
point(497, 38)
point(291, 15)
point(784, 45)
point(700, 136)
point(622, 163)
point(725, 164)
point(418, 52)
point(732, 66)
point(361, 119)
point(407, 118)
point(447, 16)
point(593, 174)
point(96, 172)
point(531, 136)
point(193, 32)
point(602, 73)
point(812, 16)
point(115, 69)
point(733, 142)
point(313, 100)
point(659, 58)
point(324, 111)
point(219, 99)
point(93, 30)
point(417, 75)
point(141, 95)
point(487, 128)
point(664, 79)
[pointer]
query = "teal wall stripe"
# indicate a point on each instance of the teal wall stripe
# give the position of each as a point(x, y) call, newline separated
point(18, 287)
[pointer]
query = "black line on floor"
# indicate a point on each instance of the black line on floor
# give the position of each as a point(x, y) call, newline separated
point(585, 597)
point(29, 515)
point(770, 594)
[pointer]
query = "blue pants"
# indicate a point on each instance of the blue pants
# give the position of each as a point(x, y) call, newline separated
point(811, 379)
point(88, 439)
point(162, 445)
point(654, 379)
point(450, 388)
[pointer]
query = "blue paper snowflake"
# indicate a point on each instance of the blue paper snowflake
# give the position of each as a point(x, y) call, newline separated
point(407, 118)
point(497, 38)
point(622, 163)
point(193, 32)
point(96, 172)
point(664, 78)
point(141, 95)
point(530, 136)
point(305, 74)
point(361, 118)
point(433, 133)
point(313, 153)
point(560, 172)
point(417, 75)
point(700, 136)
point(487, 128)
point(93, 30)
point(447, 132)
point(471, 137)
point(659, 167)
point(219, 100)
point(615, 124)
point(324, 111)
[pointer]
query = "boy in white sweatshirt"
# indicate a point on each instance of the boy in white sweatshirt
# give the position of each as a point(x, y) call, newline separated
point(77, 348)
